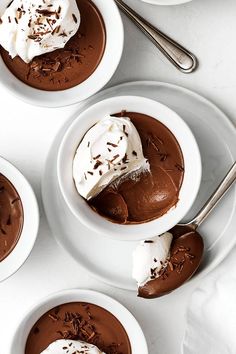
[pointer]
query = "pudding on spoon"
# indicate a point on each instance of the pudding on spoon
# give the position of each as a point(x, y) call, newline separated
point(181, 260)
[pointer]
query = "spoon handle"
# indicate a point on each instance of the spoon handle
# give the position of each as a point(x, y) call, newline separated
point(224, 186)
point(174, 52)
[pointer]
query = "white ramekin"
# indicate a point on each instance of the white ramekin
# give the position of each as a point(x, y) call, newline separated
point(192, 161)
point(134, 331)
point(30, 225)
point(101, 76)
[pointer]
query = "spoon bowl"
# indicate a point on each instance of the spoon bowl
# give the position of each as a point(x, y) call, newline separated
point(185, 257)
point(187, 247)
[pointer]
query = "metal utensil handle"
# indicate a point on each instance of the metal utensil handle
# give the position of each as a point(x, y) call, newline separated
point(175, 53)
point(224, 186)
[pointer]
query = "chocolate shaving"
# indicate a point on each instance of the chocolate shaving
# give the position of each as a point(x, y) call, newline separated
point(53, 317)
point(15, 200)
point(56, 30)
point(74, 18)
point(179, 167)
point(32, 36)
point(56, 66)
point(159, 139)
point(124, 127)
point(113, 145)
point(163, 157)
point(97, 157)
point(97, 164)
point(46, 12)
point(171, 266)
point(114, 158)
point(124, 160)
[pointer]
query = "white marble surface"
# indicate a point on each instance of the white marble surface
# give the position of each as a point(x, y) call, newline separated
point(208, 28)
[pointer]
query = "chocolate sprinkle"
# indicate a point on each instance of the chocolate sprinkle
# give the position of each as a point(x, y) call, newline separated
point(113, 145)
point(97, 164)
point(74, 18)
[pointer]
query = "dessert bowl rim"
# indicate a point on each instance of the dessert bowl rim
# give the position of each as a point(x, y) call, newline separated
point(99, 78)
point(79, 207)
point(128, 321)
point(30, 226)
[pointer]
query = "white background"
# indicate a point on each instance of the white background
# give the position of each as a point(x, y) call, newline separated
point(208, 29)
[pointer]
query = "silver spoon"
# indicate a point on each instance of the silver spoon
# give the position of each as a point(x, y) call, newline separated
point(174, 52)
point(213, 200)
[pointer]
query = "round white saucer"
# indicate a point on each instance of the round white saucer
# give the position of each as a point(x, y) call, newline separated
point(111, 261)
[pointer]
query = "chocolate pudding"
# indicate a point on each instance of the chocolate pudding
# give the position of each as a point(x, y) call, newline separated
point(79, 321)
point(153, 193)
point(11, 217)
point(70, 66)
point(185, 257)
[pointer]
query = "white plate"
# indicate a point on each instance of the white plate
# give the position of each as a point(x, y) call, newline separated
point(131, 326)
point(110, 260)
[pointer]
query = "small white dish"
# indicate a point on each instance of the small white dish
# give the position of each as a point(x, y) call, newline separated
point(216, 137)
point(192, 162)
point(30, 224)
point(166, 2)
point(100, 77)
point(130, 324)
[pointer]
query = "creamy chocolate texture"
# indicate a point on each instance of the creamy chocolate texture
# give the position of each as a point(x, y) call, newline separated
point(151, 194)
point(185, 257)
point(70, 66)
point(11, 217)
point(79, 321)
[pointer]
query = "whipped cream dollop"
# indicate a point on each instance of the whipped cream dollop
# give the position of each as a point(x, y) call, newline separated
point(110, 149)
point(150, 257)
point(29, 28)
point(67, 346)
